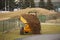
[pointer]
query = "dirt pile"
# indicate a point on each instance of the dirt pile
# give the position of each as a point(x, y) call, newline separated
point(33, 22)
point(9, 15)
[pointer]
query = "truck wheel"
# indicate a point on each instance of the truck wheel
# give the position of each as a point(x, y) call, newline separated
point(22, 31)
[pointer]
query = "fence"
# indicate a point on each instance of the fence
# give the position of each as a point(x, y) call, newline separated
point(7, 25)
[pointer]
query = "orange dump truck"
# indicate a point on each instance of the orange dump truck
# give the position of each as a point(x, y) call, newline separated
point(32, 24)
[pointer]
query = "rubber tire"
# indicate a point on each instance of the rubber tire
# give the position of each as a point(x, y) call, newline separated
point(22, 31)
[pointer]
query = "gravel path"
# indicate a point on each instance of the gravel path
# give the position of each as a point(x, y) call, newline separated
point(42, 37)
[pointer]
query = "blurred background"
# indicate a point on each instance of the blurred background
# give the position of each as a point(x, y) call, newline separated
point(10, 5)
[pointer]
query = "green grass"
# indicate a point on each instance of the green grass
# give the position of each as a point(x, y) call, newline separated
point(12, 35)
point(45, 29)
point(50, 29)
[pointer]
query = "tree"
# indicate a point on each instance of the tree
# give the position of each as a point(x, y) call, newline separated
point(20, 4)
point(23, 4)
point(1, 4)
point(11, 4)
point(32, 4)
point(49, 5)
point(42, 4)
point(8, 4)
point(27, 3)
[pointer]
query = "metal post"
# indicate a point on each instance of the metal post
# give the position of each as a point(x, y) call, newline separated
point(8, 5)
point(3, 30)
point(5, 5)
point(30, 5)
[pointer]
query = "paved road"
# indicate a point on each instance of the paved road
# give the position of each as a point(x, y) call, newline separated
point(42, 37)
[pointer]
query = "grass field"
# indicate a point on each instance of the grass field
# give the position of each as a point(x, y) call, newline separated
point(50, 29)
point(45, 29)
